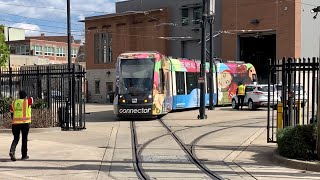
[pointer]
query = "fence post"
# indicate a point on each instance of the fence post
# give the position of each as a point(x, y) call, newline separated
point(73, 97)
point(313, 66)
point(49, 98)
point(284, 93)
point(290, 93)
point(39, 88)
point(10, 80)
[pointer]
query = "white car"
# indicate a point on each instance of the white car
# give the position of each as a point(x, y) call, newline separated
point(300, 93)
point(257, 96)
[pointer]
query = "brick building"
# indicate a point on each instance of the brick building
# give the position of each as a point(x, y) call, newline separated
point(253, 31)
point(109, 35)
point(53, 48)
point(268, 29)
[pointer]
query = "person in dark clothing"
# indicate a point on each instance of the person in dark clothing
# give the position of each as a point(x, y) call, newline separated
point(21, 119)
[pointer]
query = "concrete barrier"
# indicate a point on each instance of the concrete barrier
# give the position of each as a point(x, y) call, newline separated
point(296, 164)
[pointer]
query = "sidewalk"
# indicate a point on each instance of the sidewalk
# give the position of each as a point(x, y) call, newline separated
point(257, 160)
point(88, 154)
point(62, 154)
point(57, 155)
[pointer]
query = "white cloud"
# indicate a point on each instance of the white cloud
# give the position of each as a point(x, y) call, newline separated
point(30, 29)
point(52, 11)
point(56, 9)
point(81, 17)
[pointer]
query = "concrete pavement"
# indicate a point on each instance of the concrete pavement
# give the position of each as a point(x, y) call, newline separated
point(103, 150)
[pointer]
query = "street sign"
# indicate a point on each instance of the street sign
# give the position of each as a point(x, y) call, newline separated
point(201, 80)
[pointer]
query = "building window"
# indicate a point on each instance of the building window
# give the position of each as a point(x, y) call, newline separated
point(49, 51)
point(185, 16)
point(109, 86)
point(102, 46)
point(60, 52)
point(22, 50)
point(74, 53)
point(37, 50)
point(97, 87)
point(196, 15)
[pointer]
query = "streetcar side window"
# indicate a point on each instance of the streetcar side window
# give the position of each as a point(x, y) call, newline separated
point(192, 81)
point(180, 83)
point(161, 81)
point(208, 82)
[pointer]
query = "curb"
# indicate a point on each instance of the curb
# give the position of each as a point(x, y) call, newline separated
point(35, 130)
point(296, 164)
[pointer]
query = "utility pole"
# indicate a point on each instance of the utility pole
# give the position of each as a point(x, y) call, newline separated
point(317, 10)
point(69, 63)
point(9, 63)
point(201, 79)
point(211, 6)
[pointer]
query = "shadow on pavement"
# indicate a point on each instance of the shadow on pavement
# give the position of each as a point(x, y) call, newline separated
point(244, 109)
point(259, 165)
point(102, 116)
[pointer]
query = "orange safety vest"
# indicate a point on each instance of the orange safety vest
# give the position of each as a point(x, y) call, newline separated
point(241, 90)
point(21, 111)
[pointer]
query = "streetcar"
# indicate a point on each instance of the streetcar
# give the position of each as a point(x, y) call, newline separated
point(149, 84)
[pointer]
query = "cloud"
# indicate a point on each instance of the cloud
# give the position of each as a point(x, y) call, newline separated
point(30, 29)
point(39, 10)
point(56, 9)
point(81, 17)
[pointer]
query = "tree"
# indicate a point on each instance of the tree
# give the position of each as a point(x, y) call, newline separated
point(4, 49)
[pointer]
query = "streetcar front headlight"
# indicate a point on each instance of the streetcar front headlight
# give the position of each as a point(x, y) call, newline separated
point(122, 99)
point(148, 99)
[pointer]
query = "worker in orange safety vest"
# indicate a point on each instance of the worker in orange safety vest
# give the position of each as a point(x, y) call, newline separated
point(21, 119)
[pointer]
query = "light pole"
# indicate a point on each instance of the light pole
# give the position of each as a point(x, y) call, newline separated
point(70, 97)
point(201, 79)
point(9, 63)
point(317, 10)
point(211, 104)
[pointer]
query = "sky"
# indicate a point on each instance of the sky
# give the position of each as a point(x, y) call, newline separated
point(50, 16)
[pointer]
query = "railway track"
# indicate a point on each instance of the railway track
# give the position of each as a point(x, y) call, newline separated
point(189, 150)
point(136, 153)
point(190, 155)
point(136, 159)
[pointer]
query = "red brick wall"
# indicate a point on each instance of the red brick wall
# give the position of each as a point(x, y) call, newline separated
point(135, 32)
point(282, 16)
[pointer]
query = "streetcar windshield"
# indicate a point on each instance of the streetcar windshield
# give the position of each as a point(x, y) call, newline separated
point(136, 76)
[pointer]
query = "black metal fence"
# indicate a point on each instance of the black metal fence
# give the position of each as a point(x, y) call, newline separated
point(49, 86)
point(293, 93)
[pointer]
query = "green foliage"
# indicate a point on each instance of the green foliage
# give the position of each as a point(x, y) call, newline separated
point(41, 116)
point(39, 104)
point(4, 49)
point(5, 103)
point(298, 142)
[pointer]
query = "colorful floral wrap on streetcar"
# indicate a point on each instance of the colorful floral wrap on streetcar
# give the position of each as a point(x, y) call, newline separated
point(151, 84)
